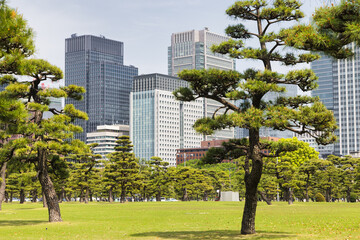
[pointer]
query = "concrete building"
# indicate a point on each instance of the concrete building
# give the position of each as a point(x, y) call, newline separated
point(97, 64)
point(339, 87)
point(192, 50)
point(159, 124)
point(105, 136)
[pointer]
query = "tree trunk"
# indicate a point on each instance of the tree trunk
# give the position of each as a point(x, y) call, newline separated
point(44, 200)
point(81, 194)
point(11, 196)
point(3, 183)
point(6, 197)
point(111, 195)
point(205, 197)
point(264, 198)
point(123, 195)
point(34, 195)
point(348, 195)
point(90, 195)
point(22, 196)
point(185, 195)
point(158, 197)
point(328, 194)
point(307, 194)
point(86, 198)
point(48, 187)
point(252, 180)
point(290, 200)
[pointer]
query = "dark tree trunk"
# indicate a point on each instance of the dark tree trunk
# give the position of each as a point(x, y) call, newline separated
point(6, 197)
point(251, 183)
point(60, 197)
point(111, 199)
point(123, 195)
point(34, 195)
point(22, 196)
point(185, 195)
point(288, 195)
point(11, 196)
point(158, 197)
point(90, 195)
point(252, 179)
point(307, 195)
point(48, 187)
point(328, 194)
point(3, 183)
point(264, 198)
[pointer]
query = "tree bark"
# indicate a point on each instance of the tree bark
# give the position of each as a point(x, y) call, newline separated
point(252, 179)
point(44, 200)
point(111, 196)
point(264, 198)
point(34, 195)
point(158, 197)
point(86, 198)
point(48, 187)
point(123, 195)
point(22, 195)
point(3, 183)
point(251, 183)
point(6, 197)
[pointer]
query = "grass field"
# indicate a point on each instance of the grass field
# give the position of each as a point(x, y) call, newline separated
point(179, 220)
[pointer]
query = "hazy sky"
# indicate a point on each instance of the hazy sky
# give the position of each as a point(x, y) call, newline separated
point(145, 26)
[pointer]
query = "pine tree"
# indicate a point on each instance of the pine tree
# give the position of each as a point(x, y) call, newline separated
point(122, 170)
point(300, 114)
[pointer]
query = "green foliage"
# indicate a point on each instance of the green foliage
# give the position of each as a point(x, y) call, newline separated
point(353, 197)
point(319, 197)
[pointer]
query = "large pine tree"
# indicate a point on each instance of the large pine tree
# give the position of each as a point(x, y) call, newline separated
point(333, 28)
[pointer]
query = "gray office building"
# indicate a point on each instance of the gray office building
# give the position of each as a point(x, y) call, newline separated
point(339, 88)
point(97, 64)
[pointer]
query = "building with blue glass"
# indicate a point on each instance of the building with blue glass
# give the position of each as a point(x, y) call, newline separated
point(339, 88)
point(97, 64)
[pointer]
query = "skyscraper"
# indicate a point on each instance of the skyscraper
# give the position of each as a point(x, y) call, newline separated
point(192, 50)
point(97, 64)
point(160, 124)
point(339, 88)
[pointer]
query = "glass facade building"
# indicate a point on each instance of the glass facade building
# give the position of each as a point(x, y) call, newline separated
point(339, 88)
point(96, 63)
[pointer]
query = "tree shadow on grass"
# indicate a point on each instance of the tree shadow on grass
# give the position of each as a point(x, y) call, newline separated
point(214, 234)
point(13, 223)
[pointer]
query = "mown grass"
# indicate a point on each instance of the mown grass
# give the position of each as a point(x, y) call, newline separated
point(181, 220)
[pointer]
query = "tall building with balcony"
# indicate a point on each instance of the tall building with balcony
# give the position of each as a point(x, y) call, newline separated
point(159, 124)
point(339, 88)
point(192, 50)
point(97, 64)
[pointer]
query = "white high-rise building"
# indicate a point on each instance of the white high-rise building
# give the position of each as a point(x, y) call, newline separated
point(192, 50)
point(159, 124)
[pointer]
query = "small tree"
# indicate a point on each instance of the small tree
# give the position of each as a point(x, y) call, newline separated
point(300, 114)
point(120, 173)
point(159, 179)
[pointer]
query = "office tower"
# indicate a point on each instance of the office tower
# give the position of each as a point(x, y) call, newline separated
point(339, 87)
point(192, 50)
point(105, 136)
point(97, 64)
point(159, 124)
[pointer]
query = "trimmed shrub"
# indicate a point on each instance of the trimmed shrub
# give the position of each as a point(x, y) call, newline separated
point(319, 197)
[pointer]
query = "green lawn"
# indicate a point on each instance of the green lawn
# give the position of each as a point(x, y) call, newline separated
point(178, 220)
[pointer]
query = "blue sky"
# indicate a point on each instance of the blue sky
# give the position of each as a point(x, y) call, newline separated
point(145, 26)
